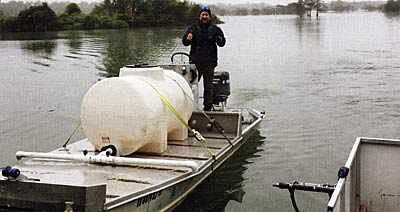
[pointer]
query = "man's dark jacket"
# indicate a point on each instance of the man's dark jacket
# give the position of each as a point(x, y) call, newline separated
point(203, 49)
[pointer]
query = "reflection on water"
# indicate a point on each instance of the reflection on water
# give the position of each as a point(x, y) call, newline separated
point(39, 48)
point(227, 182)
point(115, 48)
point(144, 45)
point(28, 35)
point(308, 29)
point(393, 16)
point(74, 40)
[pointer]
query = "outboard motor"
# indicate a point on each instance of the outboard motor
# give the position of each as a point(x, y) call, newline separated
point(221, 88)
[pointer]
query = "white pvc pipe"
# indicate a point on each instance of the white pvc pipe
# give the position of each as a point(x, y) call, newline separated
point(110, 160)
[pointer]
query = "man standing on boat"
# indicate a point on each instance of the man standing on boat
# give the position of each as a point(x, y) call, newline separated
point(203, 38)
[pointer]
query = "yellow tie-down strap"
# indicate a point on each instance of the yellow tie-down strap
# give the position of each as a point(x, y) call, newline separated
point(195, 133)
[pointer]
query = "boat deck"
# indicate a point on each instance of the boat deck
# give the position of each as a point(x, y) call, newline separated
point(121, 183)
point(121, 180)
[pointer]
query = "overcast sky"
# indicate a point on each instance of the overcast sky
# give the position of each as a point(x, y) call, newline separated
point(203, 2)
point(238, 1)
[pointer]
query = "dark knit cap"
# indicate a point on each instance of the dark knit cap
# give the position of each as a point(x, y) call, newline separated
point(206, 9)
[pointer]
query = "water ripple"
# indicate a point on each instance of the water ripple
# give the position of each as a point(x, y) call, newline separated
point(41, 63)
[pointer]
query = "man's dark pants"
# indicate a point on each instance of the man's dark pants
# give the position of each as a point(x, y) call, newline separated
point(208, 72)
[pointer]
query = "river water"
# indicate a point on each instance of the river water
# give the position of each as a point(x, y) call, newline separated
point(321, 83)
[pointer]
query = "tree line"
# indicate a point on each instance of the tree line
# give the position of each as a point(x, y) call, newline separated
point(298, 7)
point(39, 16)
point(12, 8)
point(392, 6)
point(108, 14)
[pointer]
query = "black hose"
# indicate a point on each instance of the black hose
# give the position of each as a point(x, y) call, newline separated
point(292, 197)
point(324, 188)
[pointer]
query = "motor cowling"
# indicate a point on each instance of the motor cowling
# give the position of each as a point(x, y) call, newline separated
point(221, 87)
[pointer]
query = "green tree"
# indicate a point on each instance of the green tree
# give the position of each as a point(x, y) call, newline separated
point(90, 21)
point(7, 23)
point(35, 18)
point(150, 12)
point(369, 8)
point(300, 8)
point(94, 21)
point(71, 22)
point(392, 6)
point(2, 19)
point(72, 18)
point(105, 8)
point(120, 6)
point(72, 8)
point(255, 11)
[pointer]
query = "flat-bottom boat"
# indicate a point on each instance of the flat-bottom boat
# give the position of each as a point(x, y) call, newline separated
point(77, 177)
point(373, 180)
point(369, 181)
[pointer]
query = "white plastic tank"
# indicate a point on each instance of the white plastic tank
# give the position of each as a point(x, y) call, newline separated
point(127, 113)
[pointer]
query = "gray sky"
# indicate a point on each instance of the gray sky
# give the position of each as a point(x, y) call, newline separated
point(203, 2)
point(240, 1)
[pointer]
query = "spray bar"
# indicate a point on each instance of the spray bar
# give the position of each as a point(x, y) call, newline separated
point(111, 160)
point(324, 188)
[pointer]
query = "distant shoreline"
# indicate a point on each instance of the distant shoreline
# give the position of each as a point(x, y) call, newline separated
point(58, 16)
point(218, 9)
